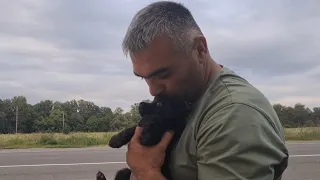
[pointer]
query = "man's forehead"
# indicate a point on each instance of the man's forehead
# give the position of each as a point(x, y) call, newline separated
point(150, 60)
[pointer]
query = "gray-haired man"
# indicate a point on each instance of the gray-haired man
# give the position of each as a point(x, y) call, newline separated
point(233, 131)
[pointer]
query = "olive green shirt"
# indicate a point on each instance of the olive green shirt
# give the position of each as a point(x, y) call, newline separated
point(233, 133)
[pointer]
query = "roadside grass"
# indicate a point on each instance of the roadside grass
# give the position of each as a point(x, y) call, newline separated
point(82, 139)
point(54, 140)
point(302, 134)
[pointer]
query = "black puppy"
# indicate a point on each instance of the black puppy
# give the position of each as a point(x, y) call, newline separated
point(159, 116)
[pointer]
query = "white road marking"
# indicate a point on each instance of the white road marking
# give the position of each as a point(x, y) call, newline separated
point(305, 155)
point(115, 162)
point(69, 164)
point(303, 143)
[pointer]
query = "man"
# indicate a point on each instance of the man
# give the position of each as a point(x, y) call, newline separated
point(232, 132)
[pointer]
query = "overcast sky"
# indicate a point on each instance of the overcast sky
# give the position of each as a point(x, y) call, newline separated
point(63, 50)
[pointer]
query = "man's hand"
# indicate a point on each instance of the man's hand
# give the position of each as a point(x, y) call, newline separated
point(145, 162)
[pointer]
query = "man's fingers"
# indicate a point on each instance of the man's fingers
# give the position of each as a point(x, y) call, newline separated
point(166, 139)
point(137, 133)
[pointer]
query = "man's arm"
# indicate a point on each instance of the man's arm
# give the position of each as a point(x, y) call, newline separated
point(238, 142)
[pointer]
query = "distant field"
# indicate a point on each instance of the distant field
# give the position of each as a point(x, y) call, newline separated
point(97, 139)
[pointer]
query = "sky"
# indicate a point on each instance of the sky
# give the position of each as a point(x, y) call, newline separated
point(64, 50)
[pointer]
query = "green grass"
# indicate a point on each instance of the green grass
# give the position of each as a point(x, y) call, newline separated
point(59, 140)
point(302, 134)
point(54, 140)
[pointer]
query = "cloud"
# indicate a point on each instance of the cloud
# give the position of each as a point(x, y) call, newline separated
point(63, 50)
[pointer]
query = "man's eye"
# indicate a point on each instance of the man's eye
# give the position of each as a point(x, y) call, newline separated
point(163, 75)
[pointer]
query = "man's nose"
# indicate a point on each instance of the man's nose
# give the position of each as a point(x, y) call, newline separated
point(155, 88)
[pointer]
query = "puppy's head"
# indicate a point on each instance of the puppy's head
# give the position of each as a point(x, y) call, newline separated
point(164, 107)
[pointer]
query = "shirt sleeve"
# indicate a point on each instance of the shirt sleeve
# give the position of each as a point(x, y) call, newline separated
point(238, 142)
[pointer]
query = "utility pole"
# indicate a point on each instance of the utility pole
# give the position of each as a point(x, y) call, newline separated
point(78, 107)
point(62, 121)
point(17, 111)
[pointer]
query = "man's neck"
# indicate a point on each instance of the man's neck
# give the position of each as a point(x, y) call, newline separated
point(211, 70)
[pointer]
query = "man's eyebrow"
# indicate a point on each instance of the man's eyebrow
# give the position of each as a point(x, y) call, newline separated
point(154, 73)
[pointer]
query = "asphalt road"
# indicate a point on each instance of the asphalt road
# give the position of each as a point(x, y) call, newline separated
point(83, 164)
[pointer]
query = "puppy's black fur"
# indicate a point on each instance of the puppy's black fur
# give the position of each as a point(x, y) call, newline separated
point(161, 115)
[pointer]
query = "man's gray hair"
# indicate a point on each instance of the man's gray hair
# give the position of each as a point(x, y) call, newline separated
point(163, 18)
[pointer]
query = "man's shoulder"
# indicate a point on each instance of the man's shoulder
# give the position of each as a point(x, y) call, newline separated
point(230, 94)
point(229, 88)
point(233, 88)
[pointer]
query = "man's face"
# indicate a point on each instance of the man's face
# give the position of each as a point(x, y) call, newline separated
point(168, 72)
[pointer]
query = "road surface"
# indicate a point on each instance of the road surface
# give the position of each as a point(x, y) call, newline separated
point(83, 163)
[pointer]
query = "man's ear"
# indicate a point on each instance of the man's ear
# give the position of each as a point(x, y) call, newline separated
point(200, 45)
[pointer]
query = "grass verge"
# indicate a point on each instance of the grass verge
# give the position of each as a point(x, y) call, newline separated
point(54, 140)
point(76, 140)
point(302, 134)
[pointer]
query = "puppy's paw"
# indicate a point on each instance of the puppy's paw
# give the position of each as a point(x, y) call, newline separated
point(100, 176)
point(123, 174)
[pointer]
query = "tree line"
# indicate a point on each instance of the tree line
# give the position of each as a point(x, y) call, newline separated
point(18, 116)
